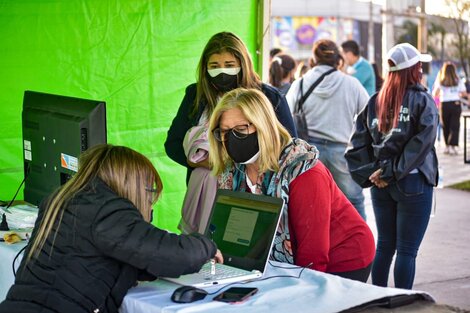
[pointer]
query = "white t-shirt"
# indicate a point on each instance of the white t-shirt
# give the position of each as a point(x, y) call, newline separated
point(451, 93)
point(250, 185)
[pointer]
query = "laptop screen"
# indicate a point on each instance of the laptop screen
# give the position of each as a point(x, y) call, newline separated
point(243, 226)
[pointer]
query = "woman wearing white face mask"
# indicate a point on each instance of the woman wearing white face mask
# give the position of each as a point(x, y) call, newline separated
point(252, 152)
point(225, 64)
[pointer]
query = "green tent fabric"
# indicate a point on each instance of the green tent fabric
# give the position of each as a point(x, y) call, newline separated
point(137, 55)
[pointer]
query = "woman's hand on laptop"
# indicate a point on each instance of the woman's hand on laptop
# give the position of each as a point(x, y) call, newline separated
point(219, 258)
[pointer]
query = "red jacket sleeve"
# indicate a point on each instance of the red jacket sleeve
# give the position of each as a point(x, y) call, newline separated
point(309, 217)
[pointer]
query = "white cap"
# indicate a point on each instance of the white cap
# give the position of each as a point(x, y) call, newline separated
point(405, 55)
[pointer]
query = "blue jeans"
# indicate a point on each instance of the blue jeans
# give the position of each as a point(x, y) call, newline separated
point(332, 155)
point(402, 212)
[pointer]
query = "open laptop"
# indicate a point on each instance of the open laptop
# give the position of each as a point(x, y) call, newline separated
point(243, 225)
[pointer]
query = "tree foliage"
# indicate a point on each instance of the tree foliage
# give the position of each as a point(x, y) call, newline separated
point(436, 29)
point(460, 12)
point(409, 33)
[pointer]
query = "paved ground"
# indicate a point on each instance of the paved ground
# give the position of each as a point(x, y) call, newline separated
point(443, 262)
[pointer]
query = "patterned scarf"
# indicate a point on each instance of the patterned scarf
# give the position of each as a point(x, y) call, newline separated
point(297, 157)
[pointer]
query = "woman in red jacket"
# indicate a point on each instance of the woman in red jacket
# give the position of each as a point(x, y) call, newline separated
point(251, 151)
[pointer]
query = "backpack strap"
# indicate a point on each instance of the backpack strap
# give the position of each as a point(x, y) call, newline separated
point(310, 90)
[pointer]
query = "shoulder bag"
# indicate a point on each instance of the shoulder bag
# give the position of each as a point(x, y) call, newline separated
point(299, 114)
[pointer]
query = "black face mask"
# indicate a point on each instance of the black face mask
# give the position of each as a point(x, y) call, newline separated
point(241, 150)
point(224, 82)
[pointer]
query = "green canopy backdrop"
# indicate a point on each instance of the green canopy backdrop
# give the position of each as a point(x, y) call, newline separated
point(137, 55)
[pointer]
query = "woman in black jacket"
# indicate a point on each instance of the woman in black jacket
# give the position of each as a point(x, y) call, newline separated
point(393, 151)
point(93, 239)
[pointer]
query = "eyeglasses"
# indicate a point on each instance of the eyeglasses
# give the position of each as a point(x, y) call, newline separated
point(239, 131)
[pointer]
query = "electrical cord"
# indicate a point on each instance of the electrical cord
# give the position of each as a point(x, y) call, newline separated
point(4, 223)
point(16, 257)
point(17, 190)
point(302, 268)
point(6, 210)
point(16, 193)
point(386, 302)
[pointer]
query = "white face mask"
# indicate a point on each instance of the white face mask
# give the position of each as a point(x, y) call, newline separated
point(226, 70)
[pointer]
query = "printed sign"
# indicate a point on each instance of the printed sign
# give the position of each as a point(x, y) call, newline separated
point(28, 156)
point(295, 33)
point(69, 162)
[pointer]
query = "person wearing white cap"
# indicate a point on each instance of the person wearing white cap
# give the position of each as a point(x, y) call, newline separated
point(393, 152)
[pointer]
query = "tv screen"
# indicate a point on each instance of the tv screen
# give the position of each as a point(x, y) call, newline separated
point(56, 130)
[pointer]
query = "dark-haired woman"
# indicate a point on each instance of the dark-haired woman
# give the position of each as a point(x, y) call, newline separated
point(450, 89)
point(282, 72)
point(330, 111)
point(93, 239)
point(393, 151)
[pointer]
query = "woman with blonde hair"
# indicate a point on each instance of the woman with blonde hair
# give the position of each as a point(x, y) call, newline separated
point(225, 64)
point(252, 152)
point(93, 239)
point(449, 88)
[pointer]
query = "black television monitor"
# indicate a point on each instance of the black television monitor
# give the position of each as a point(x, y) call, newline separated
point(56, 130)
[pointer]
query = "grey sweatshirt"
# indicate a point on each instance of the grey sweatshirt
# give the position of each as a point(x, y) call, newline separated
point(332, 107)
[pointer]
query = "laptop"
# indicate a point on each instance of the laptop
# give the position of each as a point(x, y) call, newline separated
point(243, 225)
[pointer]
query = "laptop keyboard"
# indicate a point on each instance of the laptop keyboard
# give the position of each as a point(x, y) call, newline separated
point(221, 271)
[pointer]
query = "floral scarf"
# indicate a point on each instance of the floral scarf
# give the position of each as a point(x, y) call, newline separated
point(297, 157)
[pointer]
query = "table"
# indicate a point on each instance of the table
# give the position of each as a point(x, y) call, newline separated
point(312, 292)
point(20, 215)
point(7, 255)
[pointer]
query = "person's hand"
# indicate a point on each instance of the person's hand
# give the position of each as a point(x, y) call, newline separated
point(381, 183)
point(219, 258)
point(376, 180)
